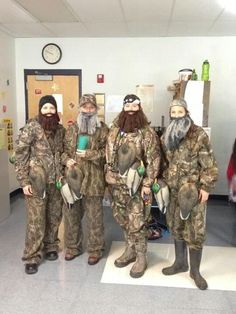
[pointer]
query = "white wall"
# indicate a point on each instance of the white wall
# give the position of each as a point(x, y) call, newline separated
point(127, 62)
point(7, 73)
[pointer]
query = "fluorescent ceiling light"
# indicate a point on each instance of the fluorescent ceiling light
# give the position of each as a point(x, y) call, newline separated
point(228, 5)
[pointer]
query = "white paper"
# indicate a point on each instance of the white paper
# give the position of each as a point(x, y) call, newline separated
point(114, 103)
point(194, 98)
point(59, 100)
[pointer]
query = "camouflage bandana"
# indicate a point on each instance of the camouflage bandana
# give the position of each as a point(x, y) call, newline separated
point(176, 131)
point(87, 122)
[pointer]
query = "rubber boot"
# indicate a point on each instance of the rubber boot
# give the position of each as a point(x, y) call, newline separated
point(181, 259)
point(139, 266)
point(127, 257)
point(195, 261)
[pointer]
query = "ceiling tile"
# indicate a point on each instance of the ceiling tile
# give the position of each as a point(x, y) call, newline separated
point(147, 29)
point(226, 28)
point(147, 10)
point(28, 30)
point(10, 12)
point(48, 10)
point(193, 28)
point(106, 29)
point(67, 29)
point(196, 10)
point(97, 11)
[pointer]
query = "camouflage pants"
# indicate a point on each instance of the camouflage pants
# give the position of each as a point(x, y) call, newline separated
point(43, 220)
point(130, 214)
point(192, 230)
point(93, 209)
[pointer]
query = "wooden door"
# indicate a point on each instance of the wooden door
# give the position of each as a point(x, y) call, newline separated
point(64, 86)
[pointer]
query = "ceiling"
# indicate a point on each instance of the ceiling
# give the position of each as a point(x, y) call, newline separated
point(115, 18)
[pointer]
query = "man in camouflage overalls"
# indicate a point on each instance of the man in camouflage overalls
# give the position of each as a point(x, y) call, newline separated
point(38, 150)
point(191, 167)
point(90, 162)
point(131, 143)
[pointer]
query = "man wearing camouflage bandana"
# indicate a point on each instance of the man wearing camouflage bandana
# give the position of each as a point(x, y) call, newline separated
point(84, 151)
point(38, 152)
point(191, 173)
point(131, 142)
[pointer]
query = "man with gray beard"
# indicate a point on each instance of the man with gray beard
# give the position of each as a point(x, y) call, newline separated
point(190, 172)
point(84, 158)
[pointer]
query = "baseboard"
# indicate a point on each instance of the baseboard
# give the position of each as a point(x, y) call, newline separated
point(16, 192)
point(218, 197)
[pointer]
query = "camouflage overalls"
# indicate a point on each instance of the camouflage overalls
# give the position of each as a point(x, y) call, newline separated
point(43, 215)
point(92, 189)
point(192, 162)
point(129, 211)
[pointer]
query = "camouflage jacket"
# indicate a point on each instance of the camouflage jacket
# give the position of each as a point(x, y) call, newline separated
point(33, 145)
point(147, 150)
point(193, 161)
point(92, 165)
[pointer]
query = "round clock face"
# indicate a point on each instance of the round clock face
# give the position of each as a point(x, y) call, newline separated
point(51, 53)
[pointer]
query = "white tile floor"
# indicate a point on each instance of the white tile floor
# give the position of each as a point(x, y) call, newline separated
point(161, 255)
point(75, 287)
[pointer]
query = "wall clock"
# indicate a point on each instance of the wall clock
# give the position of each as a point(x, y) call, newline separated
point(51, 53)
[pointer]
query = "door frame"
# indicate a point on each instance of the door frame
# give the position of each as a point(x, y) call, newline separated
point(61, 72)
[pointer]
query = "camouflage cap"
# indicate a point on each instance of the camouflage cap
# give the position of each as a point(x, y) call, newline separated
point(187, 198)
point(88, 98)
point(179, 102)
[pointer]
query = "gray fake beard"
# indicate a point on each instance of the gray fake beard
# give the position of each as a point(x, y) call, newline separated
point(176, 131)
point(87, 122)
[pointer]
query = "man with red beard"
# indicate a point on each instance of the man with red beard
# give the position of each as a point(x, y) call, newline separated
point(38, 152)
point(133, 159)
point(191, 172)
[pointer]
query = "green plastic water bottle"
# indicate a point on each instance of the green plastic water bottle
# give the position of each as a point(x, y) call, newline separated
point(205, 70)
point(194, 75)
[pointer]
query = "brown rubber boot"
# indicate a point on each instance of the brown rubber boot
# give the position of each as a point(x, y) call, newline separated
point(181, 259)
point(126, 258)
point(139, 266)
point(195, 260)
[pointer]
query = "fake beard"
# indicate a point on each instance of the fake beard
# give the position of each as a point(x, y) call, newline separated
point(87, 122)
point(129, 123)
point(49, 123)
point(176, 131)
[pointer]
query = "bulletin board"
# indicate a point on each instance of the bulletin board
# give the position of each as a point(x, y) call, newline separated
point(100, 98)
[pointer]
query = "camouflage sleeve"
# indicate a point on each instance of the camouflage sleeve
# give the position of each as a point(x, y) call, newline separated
point(151, 157)
point(68, 145)
point(99, 153)
point(22, 154)
point(209, 170)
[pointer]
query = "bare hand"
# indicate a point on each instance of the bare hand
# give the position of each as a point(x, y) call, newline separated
point(203, 196)
point(27, 190)
point(146, 190)
point(70, 163)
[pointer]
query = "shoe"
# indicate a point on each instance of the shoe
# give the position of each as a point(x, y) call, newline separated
point(92, 260)
point(51, 256)
point(31, 269)
point(70, 257)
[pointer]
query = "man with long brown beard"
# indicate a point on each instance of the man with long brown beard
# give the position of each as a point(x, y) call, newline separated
point(131, 148)
point(38, 152)
point(191, 172)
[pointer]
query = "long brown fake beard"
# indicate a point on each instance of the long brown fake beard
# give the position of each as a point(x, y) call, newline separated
point(49, 123)
point(129, 123)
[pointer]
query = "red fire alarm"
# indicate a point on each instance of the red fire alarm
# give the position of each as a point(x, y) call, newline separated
point(100, 78)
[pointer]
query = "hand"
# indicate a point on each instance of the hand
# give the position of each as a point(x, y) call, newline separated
point(203, 196)
point(27, 190)
point(70, 163)
point(146, 190)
